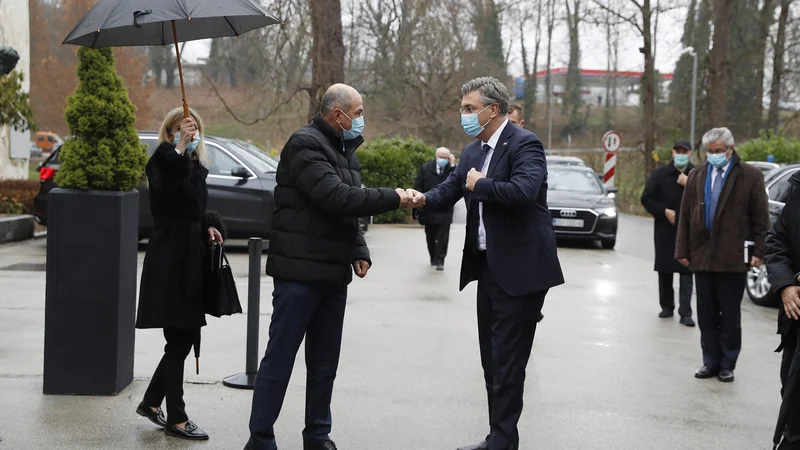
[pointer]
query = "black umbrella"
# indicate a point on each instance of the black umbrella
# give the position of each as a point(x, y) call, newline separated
point(139, 23)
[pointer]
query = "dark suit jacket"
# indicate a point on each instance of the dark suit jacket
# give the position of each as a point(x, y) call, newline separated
point(427, 179)
point(520, 242)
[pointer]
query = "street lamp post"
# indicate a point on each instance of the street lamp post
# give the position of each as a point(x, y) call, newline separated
point(691, 51)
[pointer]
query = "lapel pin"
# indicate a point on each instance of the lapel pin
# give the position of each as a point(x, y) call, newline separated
point(505, 143)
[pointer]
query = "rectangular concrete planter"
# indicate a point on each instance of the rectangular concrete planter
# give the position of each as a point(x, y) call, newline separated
point(16, 228)
point(90, 304)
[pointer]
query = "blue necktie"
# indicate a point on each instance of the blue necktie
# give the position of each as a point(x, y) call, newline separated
point(716, 189)
point(484, 153)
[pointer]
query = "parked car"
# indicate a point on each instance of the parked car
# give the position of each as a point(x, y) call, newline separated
point(241, 183)
point(765, 167)
point(777, 182)
point(580, 206)
point(555, 160)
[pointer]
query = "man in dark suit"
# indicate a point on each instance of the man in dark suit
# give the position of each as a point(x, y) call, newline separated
point(662, 199)
point(437, 224)
point(510, 247)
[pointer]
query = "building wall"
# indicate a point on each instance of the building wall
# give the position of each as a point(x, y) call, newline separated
point(15, 32)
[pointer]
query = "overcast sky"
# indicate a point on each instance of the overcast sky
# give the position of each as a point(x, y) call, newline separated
point(593, 47)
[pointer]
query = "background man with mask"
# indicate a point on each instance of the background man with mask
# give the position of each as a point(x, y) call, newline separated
point(662, 199)
point(510, 246)
point(724, 205)
point(437, 224)
point(315, 248)
point(515, 115)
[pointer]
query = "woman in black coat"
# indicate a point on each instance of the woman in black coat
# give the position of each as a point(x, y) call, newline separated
point(171, 294)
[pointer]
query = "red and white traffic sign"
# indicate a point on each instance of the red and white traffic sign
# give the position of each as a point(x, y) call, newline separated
point(612, 142)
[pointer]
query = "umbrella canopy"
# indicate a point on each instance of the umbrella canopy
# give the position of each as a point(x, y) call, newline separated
point(139, 23)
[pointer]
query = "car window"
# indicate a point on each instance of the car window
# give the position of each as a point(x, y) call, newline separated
point(780, 188)
point(219, 163)
point(574, 181)
point(255, 157)
point(152, 144)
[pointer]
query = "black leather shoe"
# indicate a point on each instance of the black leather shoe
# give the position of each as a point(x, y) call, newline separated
point(157, 416)
point(483, 445)
point(726, 376)
point(191, 433)
point(688, 321)
point(440, 267)
point(322, 445)
point(666, 314)
point(706, 372)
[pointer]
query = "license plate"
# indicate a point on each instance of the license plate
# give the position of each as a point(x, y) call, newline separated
point(571, 223)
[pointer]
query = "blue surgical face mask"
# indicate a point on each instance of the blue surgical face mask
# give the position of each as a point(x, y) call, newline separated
point(442, 161)
point(356, 130)
point(471, 124)
point(718, 159)
point(192, 146)
point(681, 160)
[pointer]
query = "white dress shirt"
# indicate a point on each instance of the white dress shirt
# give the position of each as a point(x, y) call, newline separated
point(492, 143)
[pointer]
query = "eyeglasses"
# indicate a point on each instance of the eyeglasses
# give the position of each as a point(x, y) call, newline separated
point(470, 110)
point(716, 151)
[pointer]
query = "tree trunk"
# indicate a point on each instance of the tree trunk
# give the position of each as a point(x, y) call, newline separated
point(548, 78)
point(327, 52)
point(607, 111)
point(572, 90)
point(777, 66)
point(648, 86)
point(530, 78)
point(718, 70)
point(535, 88)
point(764, 25)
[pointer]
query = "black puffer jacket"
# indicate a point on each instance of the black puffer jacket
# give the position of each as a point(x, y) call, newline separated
point(318, 200)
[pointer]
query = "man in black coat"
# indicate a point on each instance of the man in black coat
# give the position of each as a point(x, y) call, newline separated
point(783, 267)
point(510, 246)
point(316, 246)
point(437, 224)
point(662, 199)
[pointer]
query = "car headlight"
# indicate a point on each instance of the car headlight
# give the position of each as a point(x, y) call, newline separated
point(608, 212)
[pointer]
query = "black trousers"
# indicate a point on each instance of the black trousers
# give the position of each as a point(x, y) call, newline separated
point(167, 380)
point(506, 327)
point(316, 312)
point(667, 293)
point(437, 237)
point(719, 313)
point(790, 391)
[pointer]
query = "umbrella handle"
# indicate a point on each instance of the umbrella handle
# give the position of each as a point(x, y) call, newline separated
point(180, 69)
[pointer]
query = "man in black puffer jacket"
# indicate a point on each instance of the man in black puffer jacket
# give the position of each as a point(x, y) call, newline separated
point(783, 267)
point(315, 247)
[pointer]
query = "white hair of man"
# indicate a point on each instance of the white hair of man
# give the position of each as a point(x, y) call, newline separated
point(718, 134)
point(444, 152)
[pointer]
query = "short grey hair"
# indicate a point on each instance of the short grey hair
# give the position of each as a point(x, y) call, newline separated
point(335, 98)
point(441, 149)
point(718, 134)
point(492, 92)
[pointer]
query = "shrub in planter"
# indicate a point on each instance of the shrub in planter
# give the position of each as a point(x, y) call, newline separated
point(92, 237)
point(393, 163)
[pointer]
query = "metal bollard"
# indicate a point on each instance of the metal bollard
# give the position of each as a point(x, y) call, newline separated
point(247, 380)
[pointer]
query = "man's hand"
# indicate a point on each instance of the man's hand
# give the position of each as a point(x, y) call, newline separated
point(684, 261)
point(472, 177)
point(791, 301)
point(756, 262)
point(418, 199)
point(452, 158)
point(361, 267)
point(214, 235)
point(670, 215)
point(405, 199)
point(682, 179)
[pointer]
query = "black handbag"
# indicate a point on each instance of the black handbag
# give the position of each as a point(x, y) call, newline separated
point(221, 298)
